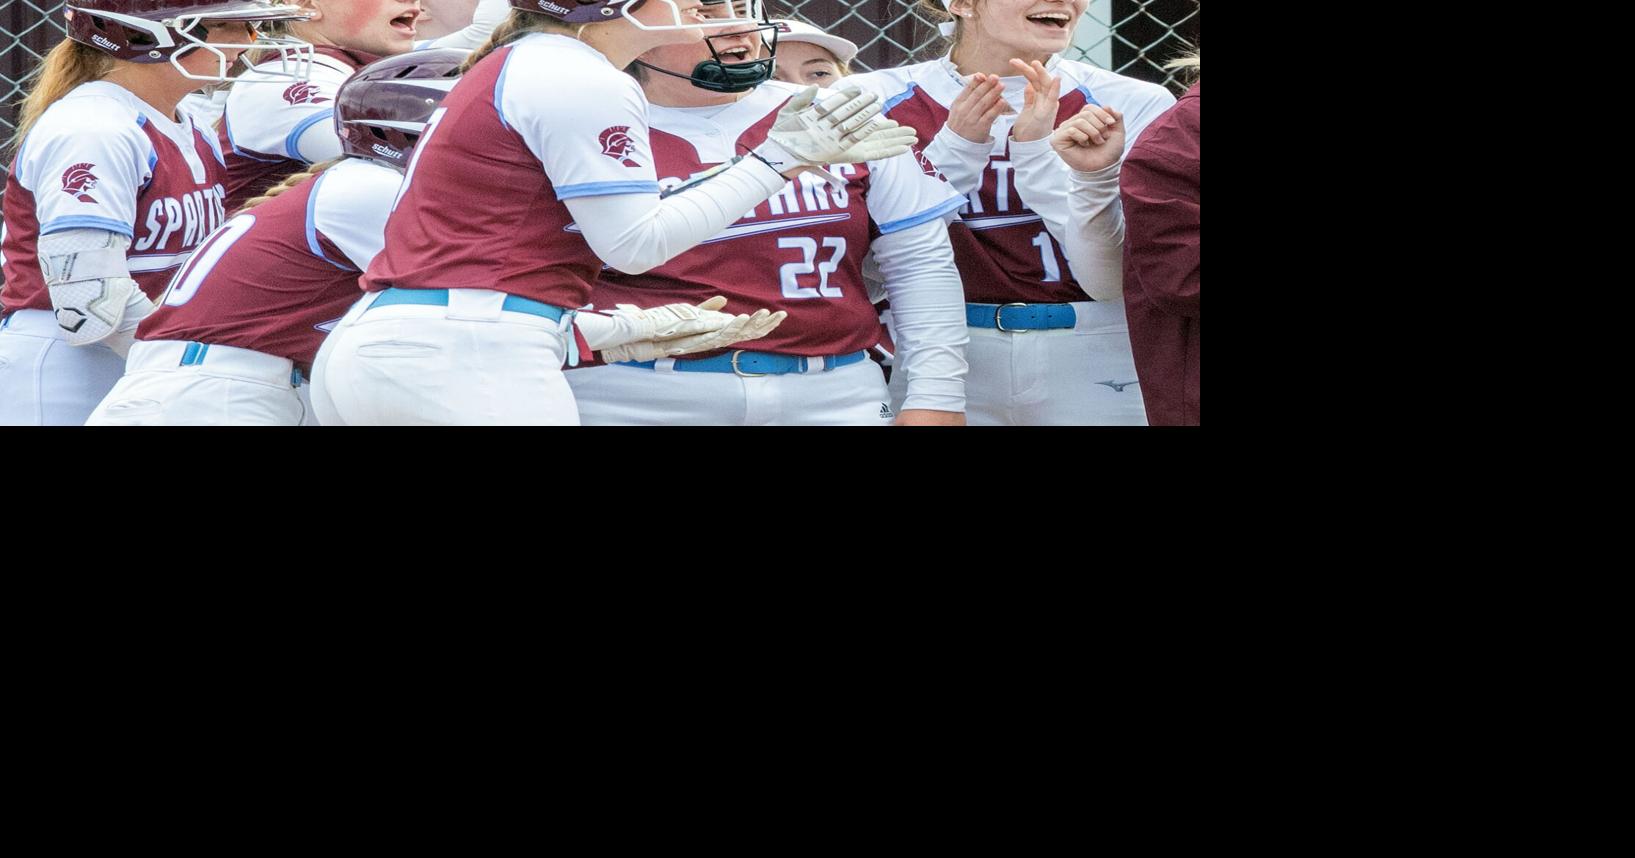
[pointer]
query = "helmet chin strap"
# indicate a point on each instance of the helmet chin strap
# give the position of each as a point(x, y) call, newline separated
point(702, 77)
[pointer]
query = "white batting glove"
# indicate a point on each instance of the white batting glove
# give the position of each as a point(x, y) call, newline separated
point(742, 329)
point(844, 128)
point(628, 323)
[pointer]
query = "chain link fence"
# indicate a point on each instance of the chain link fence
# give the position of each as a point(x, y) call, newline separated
point(1132, 37)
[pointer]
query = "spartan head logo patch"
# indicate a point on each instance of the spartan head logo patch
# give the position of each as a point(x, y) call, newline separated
point(616, 144)
point(303, 93)
point(78, 181)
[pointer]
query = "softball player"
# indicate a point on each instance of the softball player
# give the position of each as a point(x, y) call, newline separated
point(534, 173)
point(801, 252)
point(1040, 353)
point(271, 130)
point(807, 55)
point(111, 188)
point(241, 323)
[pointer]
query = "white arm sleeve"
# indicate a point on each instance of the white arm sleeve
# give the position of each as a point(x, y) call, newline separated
point(1094, 243)
point(636, 232)
point(928, 308)
point(488, 15)
point(959, 160)
point(267, 120)
point(319, 142)
point(350, 204)
point(592, 140)
point(1041, 181)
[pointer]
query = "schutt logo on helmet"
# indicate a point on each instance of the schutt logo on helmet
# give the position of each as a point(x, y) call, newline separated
point(78, 182)
point(548, 6)
point(616, 144)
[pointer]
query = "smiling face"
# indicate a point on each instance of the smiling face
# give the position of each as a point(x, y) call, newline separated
point(804, 63)
point(1025, 28)
point(733, 44)
point(384, 27)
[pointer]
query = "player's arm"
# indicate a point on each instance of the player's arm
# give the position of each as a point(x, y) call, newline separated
point(85, 180)
point(1041, 177)
point(633, 229)
point(915, 261)
point(351, 206)
point(961, 148)
point(928, 313)
point(1088, 147)
point(1164, 206)
point(293, 121)
point(91, 289)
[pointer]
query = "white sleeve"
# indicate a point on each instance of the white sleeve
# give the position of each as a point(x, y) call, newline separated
point(959, 160)
point(318, 142)
point(592, 140)
point(85, 165)
point(928, 312)
point(1094, 244)
point(635, 232)
point(1041, 181)
point(902, 194)
point(591, 137)
point(488, 15)
point(350, 205)
point(274, 120)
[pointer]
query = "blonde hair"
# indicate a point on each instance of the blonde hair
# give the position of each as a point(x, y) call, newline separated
point(289, 181)
point(65, 66)
point(934, 10)
point(520, 24)
point(1189, 64)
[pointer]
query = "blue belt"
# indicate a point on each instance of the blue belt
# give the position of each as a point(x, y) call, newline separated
point(439, 298)
point(755, 363)
point(194, 354)
point(1020, 317)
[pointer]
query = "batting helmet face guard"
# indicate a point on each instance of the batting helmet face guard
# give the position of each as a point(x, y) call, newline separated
point(739, 12)
point(731, 73)
point(381, 111)
point(152, 31)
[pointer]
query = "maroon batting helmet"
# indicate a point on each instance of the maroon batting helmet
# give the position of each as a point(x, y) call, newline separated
point(151, 31)
point(381, 111)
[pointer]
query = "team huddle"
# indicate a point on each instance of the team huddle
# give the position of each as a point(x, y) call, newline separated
point(597, 212)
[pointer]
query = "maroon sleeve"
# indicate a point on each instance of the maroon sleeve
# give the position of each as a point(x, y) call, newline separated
point(1162, 187)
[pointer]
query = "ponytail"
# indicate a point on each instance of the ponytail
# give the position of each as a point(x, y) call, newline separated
point(65, 66)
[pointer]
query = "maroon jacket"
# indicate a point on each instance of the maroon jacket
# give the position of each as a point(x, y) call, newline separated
point(1162, 186)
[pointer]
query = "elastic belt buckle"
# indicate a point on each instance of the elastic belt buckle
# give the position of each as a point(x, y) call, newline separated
point(740, 373)
point(1001, 325)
